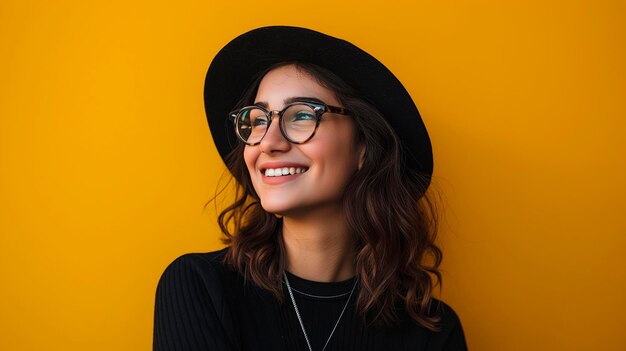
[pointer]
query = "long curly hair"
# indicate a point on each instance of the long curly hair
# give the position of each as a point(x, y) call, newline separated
point(392, 217)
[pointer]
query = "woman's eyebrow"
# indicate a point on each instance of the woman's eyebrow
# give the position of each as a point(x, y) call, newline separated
point(302, 98)
point(262, 104)
point(290, 100)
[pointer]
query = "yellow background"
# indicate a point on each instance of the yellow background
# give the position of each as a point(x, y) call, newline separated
point(106, 158)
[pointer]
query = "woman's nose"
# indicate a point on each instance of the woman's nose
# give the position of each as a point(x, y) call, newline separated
point(274, 141)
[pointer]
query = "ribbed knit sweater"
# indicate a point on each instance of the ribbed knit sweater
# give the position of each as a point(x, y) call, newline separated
point(203, 305)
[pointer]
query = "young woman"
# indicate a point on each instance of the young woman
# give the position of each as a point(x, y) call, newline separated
point(330, 241)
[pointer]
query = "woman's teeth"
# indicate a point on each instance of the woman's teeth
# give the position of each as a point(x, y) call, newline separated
point(277, 172)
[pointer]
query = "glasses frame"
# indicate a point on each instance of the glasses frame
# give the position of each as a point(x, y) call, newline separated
point(319, 108)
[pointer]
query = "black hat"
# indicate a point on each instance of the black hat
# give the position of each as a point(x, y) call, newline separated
point(236, 65)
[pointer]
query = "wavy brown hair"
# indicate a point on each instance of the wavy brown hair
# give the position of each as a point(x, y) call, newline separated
point(388, 211)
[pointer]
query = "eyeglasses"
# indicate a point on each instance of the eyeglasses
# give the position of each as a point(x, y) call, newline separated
point(298, 121)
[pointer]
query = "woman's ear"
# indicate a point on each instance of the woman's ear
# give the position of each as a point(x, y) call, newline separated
point(361, 155)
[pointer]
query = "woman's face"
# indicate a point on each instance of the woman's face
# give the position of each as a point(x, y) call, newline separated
point(328, 160)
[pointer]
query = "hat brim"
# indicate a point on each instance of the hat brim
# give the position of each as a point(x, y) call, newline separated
point(236, 64)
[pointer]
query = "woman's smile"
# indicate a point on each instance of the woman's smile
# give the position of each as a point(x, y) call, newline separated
point(273, 173)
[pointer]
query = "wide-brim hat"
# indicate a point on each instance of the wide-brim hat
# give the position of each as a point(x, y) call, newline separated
point(237, 64)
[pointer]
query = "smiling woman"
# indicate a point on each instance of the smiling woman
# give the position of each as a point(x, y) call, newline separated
point(330, 241)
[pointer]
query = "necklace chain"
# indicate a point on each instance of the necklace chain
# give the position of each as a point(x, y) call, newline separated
point(295, 306)
point(318, 296)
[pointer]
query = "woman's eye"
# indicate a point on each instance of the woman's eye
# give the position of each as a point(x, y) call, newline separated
point(303, 115)
point(259, 122)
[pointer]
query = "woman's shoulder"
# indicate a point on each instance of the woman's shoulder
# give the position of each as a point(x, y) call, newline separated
point(448, 317)
point(201, 258)
point(191, 292)
point(208, 267)
point(450, 335)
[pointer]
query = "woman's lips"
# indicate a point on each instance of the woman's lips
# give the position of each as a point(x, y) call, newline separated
point(281, 179)
point(278, 172)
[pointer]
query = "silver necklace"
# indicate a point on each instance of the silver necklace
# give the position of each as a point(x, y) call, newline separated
point(318, 296)
point(295, 306)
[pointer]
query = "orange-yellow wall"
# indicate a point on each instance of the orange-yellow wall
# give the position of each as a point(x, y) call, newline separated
point(106, 158)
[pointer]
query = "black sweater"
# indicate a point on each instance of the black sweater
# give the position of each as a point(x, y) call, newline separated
point(203, 305)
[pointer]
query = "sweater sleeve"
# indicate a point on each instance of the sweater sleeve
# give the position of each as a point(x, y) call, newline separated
point(185, 317)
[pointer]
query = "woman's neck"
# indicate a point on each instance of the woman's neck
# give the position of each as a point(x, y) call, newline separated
point(319, 249)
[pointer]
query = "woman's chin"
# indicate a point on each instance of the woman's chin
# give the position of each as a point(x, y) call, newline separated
point(273, 208)
point(281, 209)
point(278, 211)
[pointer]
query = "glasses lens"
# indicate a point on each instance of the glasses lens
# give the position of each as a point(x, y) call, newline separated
point(299, 122)
point(251, 124)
